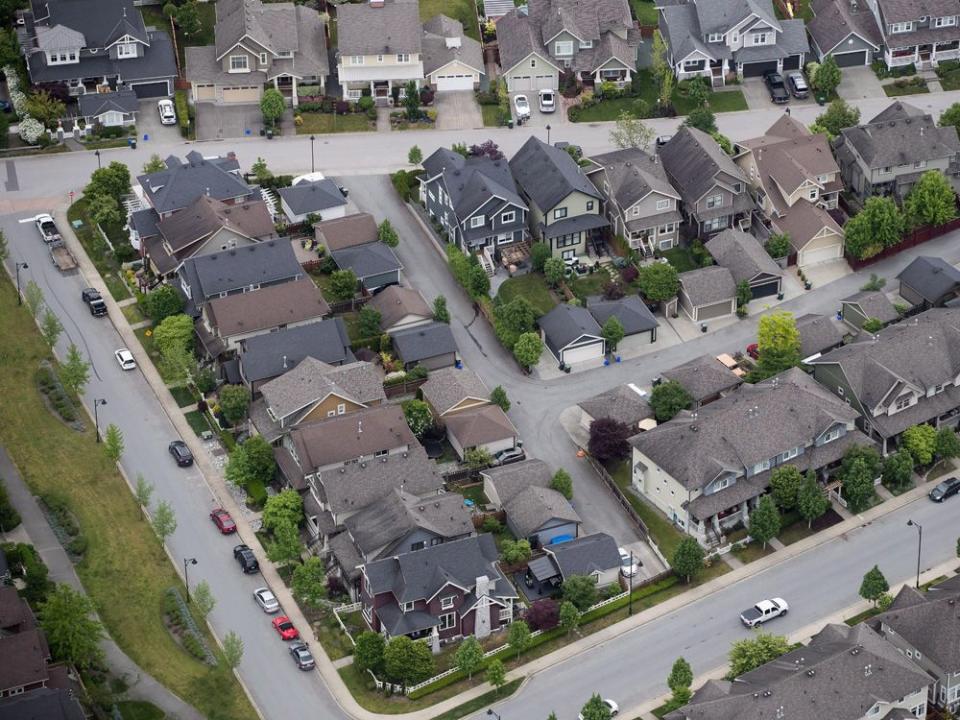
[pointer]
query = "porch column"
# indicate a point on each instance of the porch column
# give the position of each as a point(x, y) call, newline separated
point(745, 511)
point(276, 84)
point(293, 97)
point(629, 75)
point(596, 76)
point(715, 521)
point(373, 92)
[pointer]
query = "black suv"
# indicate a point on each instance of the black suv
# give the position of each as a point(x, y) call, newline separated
point(181, 453)
point(950, 486)
point(776, 86)
point(246, 558)
point(94, 300)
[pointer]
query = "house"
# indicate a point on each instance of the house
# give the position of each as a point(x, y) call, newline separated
point(321, 197)
point(572, 335)
point(15, 613)
point(96, 46)
point(564, 204)
point(638, 323)
point(46, 703)
point(375, 264)
point(180, 184)
point(258, 43)
point(496, 9)
point(483, 428)
point(818, 334)
point(797, 183)
point(861, 674)
point(379, 48)
point(237, 270)
point(706, 469)
point(708, 293)
point(431, 345)
point(844, 30)
point(398, 523)
point(451, 590)
point(625, 403)
point(723, 38)
point(596, 41)
point(705, 379)
point(902, 376)
point(450, 391)
point(594, 556)
point(713, 188)
point(264, 357)
point(866, 305)
point(24, 659)
point(922, 33)
point(109, 109)
point(887, 155)
point(451, 59)
point(929, 282)
point(475, 200)
point(348, 231)
point(743, 255)
point(400, 308)
point(315, 390)
point(639, 201)
point(502, 483)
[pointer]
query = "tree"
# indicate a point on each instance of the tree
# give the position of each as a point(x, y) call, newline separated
point(542, 615)
point(528, 349)
point(286, 547)
point(33, 298)
point(836, 117)
point(662, 71)
point(479, 282)
point(702, 118)
point(569, 616)
point(261, 171)
point(872, 325)
point(764, 522)
point(113, 443)
point(879, 225)
point(554, 270)
point(112, 180)
point(951, 116)
point(203, 598)
point(579, 590)
point(827, 77)
point(387, 235)
point(272, 105)
point(440, 312)
point(368, 652)
point(143, 492)
point(175, 331)
point(687, 560)
point(743, 293)
point(659, 282)
point(518, 636)
point(164, 521)
point(234, 401)
point(947, 443)
point(697, 91)
point(513, 319)
point(309, 582)
point(785, 484)
point(284, 508)
point(369, 322)
point(469, 656)
point(407, 662)
point(931, 201)
point(411, 101)
point(595, 709)
point(539, 254)
point(75, 372)
point(9, 517)
point(874, 585)
point(418, 416)
point(343, 284)
point(45, 108)
point(104, 210)
point(857, 485)
point(812, 503)
point(612, 332)
point(778, 245)
point(874, 283)
point(415, 156)
point(496, 674)
point(50, 327)
point(750, 653)
point(608, 439)
point(187, 19)
point(477, 458)
point(680, 677)
point(154, 165)
point(862, 453)
point(667, 399)
point(778, 343)
point(232, 650)
point(72, 634)
point(631, 132)
point(562, 483)
point(498, 396)
point(162, 303)
point(488, 148)
point(516, 551)
point(921, 442)
point(898, 470)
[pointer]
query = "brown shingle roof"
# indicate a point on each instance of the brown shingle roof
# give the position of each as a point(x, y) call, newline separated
point(351, 436)
point(480, 426)
point(284, 304)
point(23, 659)
point(340, 233)
point(396, 302)
point(205, 215)
point(447, 387)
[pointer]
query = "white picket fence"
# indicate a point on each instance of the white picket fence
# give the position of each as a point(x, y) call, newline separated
point(352, 607)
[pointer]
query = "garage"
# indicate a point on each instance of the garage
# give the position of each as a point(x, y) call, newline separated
point(791, 63)
point(152, 90)
point(241, 94)
point(203, 93)
point(543, 82)
point(765, 288)
point(759, 68)
point(519, 82)
point(716, 310)
point(581, 353)
point(851, 59)
point(819, 255)
point(454, 82)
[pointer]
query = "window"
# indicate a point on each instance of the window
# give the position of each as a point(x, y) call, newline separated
point(738, 187)
point(760, 38)
point(831, 435)
point(341, 409)
point(407, 606)
point(476, 221)
point(904, 401)
point(563, 47)
point(937, 389)
point(356, 60)
point(448, 620)
point(331, 413)
point(379, 58)
point(761, 467)
point(285, 53)
point(813, 194)
point(566, 240)
point(435, 541)
point(559, 213)
point(416, 546)
point(902, 27)
point(533, 62)
point(126, 50)
point(238, 63)
point(920, 164)
point(721, 484)
point(948, 21)
point(636, 211)
point(690, 65)
point(263, 58)
point(715, 224)
point(789, 454)
point(823, 178)
point(663, 204)
point(714, 201)
point(589, 205)
point(354, 94)
point(506, 614)
point(381, 453)
point(403, 57)
point(586, 44)
point(666, 229)
point(886, 171)
point(715, 37)
point(447, 603)
point(508, 217)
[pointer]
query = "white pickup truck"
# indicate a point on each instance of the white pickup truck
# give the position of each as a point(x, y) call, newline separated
point(47, 227)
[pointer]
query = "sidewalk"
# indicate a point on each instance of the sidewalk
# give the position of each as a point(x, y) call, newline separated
point(35, 526)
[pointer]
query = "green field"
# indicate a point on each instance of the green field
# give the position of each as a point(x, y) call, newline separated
point(531, 286)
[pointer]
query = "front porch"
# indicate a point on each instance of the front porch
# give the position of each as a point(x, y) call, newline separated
point(924, 56)
point(380, 90)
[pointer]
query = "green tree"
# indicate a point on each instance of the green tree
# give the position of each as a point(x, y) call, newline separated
point(286, 547)
point(33, 298)
point(46, 108)
point(659, 282)
point(498, 396)
point(309, 582)
point(164, 521)
point(369, 322)
point(921, 442)
point(687, 560)
point(284, 508)
point(750, 653)
point(697, 91)
point(232, 650)
point(764, 522)
point(477, 458)
point(479, 282)
point(518, 636)
point(667, 399)
point(415, 156)
point(878, 226)
point(440, 311)
point(947, 444)
point(9, 517)
point(778, 343)
point(459, 266)
point(496, 674)
point(162, 303)
point(897, 470)
point(836, 117)
point(539, 254)
point(612, 332)
point(812, 503)
point(418, 416)
point(112, 180)
point(595, 709)
point(261, 171)
point(387, 234)
point(75, 372)
point(662, 70)
point(828, 76)
point(951, 116)
point(154, 165)
point(857, 485)
point(569, 616)
point(251, 463)
point(104, 210)
point(513, 319)
point(515, 551)
point(874, 283)
point(272, 106)
point(743, 293)
point(562, 483)
point(554, 270)
point(203, 598)
point(234, 401)
point(411, 101)
point(931, 201)
point(113, 443)
point(469, 656)
point(778, 245)
point(50, 327)
point(631, 132)
point(188, 19)
point(143, 492)
point(680, 677)
point(175, 331)
point(579, 590)
point(73, 635)
point(874, 585)
point(785, 484)
point(865, 453)
point(702, 118)
point(872, 325)
point(407, 662)
point(368, 652)
point(4, 247)
point(343, 284)
point(528, 349)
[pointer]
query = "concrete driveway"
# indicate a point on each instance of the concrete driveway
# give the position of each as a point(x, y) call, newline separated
point(537, 118)
point(149, 128)
point(758, 97)
point(458, 110)
point(859, 83)
point(227, 121)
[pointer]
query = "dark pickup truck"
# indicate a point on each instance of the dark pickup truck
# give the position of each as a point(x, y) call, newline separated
point(94, 301)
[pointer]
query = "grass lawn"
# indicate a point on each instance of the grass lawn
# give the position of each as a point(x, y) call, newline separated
point(183, 396)
point(533, 287)
point(860, 617)
point(473, 492)
point(153, 15)
point(681, 258)
point(147, 342)
point(98, 250)
point(950, 80)
point(463, 10)
point(197, 421)
point(894, 90)
point(644, 11)
point(751, 552)
point(330, 123)
point(591, 284)
point(491, 115)
point(136, 710)
point(481, 702)
point(124, 570)
point(795, 532)
point(663, 532)
point(133, 314)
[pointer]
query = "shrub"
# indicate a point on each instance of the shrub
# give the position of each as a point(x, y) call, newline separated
point(30, 130)
point(183, 111)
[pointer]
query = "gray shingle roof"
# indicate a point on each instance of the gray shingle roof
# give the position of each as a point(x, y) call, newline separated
point(367, 30)
point(530, 509)
point(873, 304)
point(721, 15)
point(509, 480)
point(205, 216)
point(100, 23)
point(900, 142)
point(692, 160)
point(94, 104)
point(424, 341)
point(367, 260)
point(622, 403)
point(270, 307)
point(898, 110)
point(574, 224)
point(548, 174)
point(437, 50)
point(47, 703)
point(633, 174)
point(742, 254)
point(312, 196)
point(273, 354)
point(632, 313)
point(449, 386)
point(472, 181)
point(350, 230)
point(704, 286)
point(59, 37)
point(586, 555)
point(271, 25)
point(929, 621)
point(818, 333)
point(834, 20)
point(312, 380)
point(703, 377)
point(905, 10)
point(396, 303)
point(931, 277)
point(479, 426)
point(565, 323)
point(264, 263)
point(181, 183)
point(517, 37)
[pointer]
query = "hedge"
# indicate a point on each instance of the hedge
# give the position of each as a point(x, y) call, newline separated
point(183, 111)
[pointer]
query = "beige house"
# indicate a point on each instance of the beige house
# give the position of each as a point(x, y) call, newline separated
point(450, 391)
point(708, 293)
point(401, 308)
point(451, 60)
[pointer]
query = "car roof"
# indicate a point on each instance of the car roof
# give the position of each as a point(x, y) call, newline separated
point(766, 604)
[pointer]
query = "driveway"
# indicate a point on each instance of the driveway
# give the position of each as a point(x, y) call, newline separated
point(215, 122)
point(149, 128)
point(458, 110)
point(537, 118)
point(859, 83)
point(758, 97)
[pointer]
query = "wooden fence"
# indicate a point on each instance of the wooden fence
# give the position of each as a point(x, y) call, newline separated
point(620, 497)
point(402, 388)
point(910, 239)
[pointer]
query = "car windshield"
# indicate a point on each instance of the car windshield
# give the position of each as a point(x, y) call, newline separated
point(944, 486)
point(286, 625)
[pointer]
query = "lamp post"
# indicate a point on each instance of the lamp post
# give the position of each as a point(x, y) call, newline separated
point(187, 562)
point(919, 546)
point(97, 402)
point(630, 600)
point(20, 265)
point(491, 713)
point(548, 134)
point(97, 153)
point(312, 165)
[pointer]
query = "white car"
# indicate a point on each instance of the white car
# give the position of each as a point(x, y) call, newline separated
point(521, 107)
point(125, 358)
point(628, 564)
point(763, 611)
point(266, 600)
point(614, 708)
point(548, 101)
point(168, 116)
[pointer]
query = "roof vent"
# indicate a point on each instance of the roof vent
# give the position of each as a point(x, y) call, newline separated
point(811, 672)
point(363, 464)
point(343, 469)
point(405, 454)
point(383, 459)
point(767, 693)
point(422, 508)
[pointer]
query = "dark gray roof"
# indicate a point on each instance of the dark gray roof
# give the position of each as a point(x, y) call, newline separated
point(531, 509)
point(448, 386)
point(622, 403)
point(309, 196)
point(396, 622)
point(424, 341)
point(548, 174)
point(929, 621)
point(100, 23)
point(181, 183)
point(94, 104)
point(742, 254)
point(905, 10)
point(43, 703)
point(437, 51)
point(721, 15)
point(262, 264)
point(480, 425)
point(367, 260)
point(791, 41)
point(632, 313)
point(517, 37)
point(575, 224)
point(818, 333)
point(873, 304)
point(692, 160)
point(509, 480)
point(835, 20)
point(345, 551)
point(632, 174)
point(931, 277)
point(898, 110)
point(273, 354)
point(157, 63)
point(586, 555)
point(703, 377)
point(472, 181)
point(900, 142)
point(708, 285)
point(145, 222)
point(367, 30)
point(565, 323)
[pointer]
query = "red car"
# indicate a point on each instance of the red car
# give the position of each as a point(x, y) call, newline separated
point(286, 629)
point(753, 351)
point(221, 518)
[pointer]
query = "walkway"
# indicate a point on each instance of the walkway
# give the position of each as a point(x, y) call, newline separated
point(35, 526)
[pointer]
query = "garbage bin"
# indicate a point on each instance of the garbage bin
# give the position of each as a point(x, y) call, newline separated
point(133, 143)
point(510, 124)
point(821, 98)
point(269, 133)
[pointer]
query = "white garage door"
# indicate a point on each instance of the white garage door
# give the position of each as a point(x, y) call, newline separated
point(204, 92)
point(520, 82)
point(455, 82)
point(820, 255)
point(241, 94)
point(584, 352)
point(542, 82)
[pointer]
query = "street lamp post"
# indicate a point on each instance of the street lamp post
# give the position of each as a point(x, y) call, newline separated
point(312, 162)
point(630, 600)
point(548, 134)
point(919, 546)
point(491, 713)
point(97, 402)
point(20, 265)
point(187, 562)
point(97, 153)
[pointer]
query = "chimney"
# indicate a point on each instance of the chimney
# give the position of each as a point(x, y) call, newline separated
point(484, 586)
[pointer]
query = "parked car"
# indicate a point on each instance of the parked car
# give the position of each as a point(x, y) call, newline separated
point(125, 359)
point(776, 87)
point(181, 453)
point(949, 487)
point(94, 300)
point(629, 564)
point(753, 350)
point(521, 107)
point(248, 561)
point(763, 611)
point(168, 115)
point(798, 84)
point(511, 455)
point(611, 705)
point(47, 227)
point(221, 518)
point(663, 140)
point(548, 100)
point(302, 655)
point(266, 600)
point(285, 628)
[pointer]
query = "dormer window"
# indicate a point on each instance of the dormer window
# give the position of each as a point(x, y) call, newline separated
point(948, 21)
point(239, 63)
point(403, 57)
point(63, 57)
point(476, 221)
point(715, 37)
point(263, 59)
point(356, 60)
point(904, 401)
point(447, 602)
point(831, 435)
point(508, 217)
point(813, 194)
point(901, 27)
point(586, 44)
point(760, 38)
point(563, 47)
point(407, 607)
point(127, 50)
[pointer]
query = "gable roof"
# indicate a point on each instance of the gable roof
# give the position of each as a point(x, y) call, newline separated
point(367, 260)
point(348, 231)
point(444, 42)
point(898, 110)
point(472, 181)
point(263, 263)
point(267, 356)
point(873, 304)
point(703, 377)
point(205, 216)
point(447, 387)
point(692, 160)
point(517, 38)
point(548, 174)
point(929, 621)
point(742, 254)
point(585, 555)
point(364, 29)
point(632, 175)
point(181, 183)
point(905, 10)
point(622, 403)
point(59, 37)
point(423, 341)
point(789, 155)
point(481, 425)
point(312, 380)
point(533, 507)
point(901, 141)
point(708, 285)
point(94, 104)
point(97, 23)
point(630, 310)
point(269, 307)
point(564, 324)
point(931, 277)
point(818, 333)
point(23, 659)
point(312, 196)
point(835, 20)
point(395, 303)
point(509, 480)
point(272, 26)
